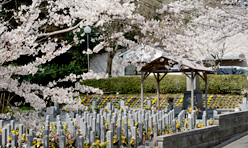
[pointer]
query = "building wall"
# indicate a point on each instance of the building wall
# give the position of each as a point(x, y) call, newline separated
point(237, 44)
point(98, 63)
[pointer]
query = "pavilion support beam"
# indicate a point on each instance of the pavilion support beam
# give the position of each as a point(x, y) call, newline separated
point(205, 78)
point(158, 79)
point(158, 89)
point(206, 92)
point(142, 90)
point(143, 77)
point(192, 90)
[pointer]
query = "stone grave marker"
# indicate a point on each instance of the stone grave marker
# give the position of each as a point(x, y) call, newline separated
point(80, 142)
point(103, 134)
point(51, 112)
point(30, 141)
point(1, 124)
point(134, 135)
point(62, 143)
point(140, 133)
point(21, 130)
point(92, 137)
point(110, 139)
point(4, 136)
point(204, 118)
point(14, 140)
point(12, 123)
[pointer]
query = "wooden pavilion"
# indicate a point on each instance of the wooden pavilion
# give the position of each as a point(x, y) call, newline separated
point(163, 65)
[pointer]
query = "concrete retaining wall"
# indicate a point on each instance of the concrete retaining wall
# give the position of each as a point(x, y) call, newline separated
point(229, 125)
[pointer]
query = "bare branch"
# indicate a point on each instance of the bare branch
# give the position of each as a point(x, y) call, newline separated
point(4, 2)
point(60, 31)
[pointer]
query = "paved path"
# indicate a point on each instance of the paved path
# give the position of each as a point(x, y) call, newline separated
point(240, 143)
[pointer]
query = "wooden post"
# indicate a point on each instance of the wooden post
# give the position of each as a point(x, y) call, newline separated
point(192, 91)
point(142, 90)
point(158, 88)
point(206, 92)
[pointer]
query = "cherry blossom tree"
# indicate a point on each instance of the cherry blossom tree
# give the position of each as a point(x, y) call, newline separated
point(29, 38)
point(209, 25)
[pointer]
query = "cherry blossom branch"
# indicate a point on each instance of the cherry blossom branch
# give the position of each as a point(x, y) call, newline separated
point(60, 31)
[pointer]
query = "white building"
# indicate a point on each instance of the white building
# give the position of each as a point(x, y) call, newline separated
point(235, 55)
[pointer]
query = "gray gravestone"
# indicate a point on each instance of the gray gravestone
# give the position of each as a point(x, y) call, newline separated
point(98, 130)
point(140, 133)
point(204, 118)
point(30, 141)
point(12, 123)
point(112, 128)
point(150, 122)
point(119, 122)
point(0, 139)
point(88, 134)
point(103, 134)
point(160, 126)
point(110, 139)
point(125, 128)
point(84, 129)
point(80, 142)
point(132, 123)
point(4, 136)
point(125, 119)
point(1, 124)
point(51, 112)
point(149, 103)
point(167, 119)
point(109, 119)
point(118, 134)
point(155, 130)
point(122, 104)
point(14, 140)
point(94, 124)
point(62, 143)
point(163, 123)
point(190, 123)
point(174, 123)
point(134, 135)
point(92, 137)
point(8, 132)
point(21, 130)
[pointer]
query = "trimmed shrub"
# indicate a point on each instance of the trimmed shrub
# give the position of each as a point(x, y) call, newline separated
point(217, 84)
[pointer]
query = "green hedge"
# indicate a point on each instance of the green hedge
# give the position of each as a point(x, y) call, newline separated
point(217, 84)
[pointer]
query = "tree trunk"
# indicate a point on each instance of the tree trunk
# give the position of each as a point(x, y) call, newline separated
point(111, 56)
point(109, 63)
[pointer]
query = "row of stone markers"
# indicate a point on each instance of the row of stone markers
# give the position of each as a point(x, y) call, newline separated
point(107, 128)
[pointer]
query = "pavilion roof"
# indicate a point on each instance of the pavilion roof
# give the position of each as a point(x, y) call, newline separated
point(164, 64)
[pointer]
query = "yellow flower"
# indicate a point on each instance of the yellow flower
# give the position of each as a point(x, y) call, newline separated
point(38, 144)
point(9, 137)
point(13, 132)
point(23, 137)
point(70, 143)
point(178, 125)
point(171, 132)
